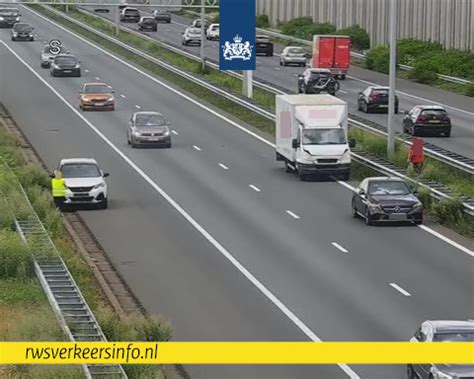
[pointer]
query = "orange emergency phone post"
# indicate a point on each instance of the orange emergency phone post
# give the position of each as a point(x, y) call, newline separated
point(416, 155)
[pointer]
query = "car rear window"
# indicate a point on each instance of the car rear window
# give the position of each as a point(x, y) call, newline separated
point(296, 50)
point(433, 112)
point(65, 60)
point(131, 11)
point(380, 92)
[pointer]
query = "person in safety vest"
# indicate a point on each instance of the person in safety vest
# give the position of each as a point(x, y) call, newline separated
point(58, 185)
point(415, 155)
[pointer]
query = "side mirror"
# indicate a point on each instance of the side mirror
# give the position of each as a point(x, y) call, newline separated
point(105, 174)
point(352, 143)
point(112, 91)
point(361, 192)
point(295, 144)
point(308, 55)
point(360, 93)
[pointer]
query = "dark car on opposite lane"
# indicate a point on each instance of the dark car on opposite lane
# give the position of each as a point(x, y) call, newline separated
point(148, 128)
point(263, 45)
point(387, 199)
point(22, 32)
point(443, 331)
point(147, 23)
point(375, 98)
point(65, 65)
point(162, 16)
point(9, 16)
point(317, 80)
point(427, 120)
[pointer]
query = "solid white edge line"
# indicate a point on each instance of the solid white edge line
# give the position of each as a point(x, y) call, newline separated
point(294, 215)
point(255, 188)
point(339, 247)
point(427, 229)
point(414, 96)
point(246, 273)
point(196, 148)
point(400, 289)
point(223, 166)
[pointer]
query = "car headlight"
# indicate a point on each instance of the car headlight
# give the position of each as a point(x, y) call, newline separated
point(346, 157)
point(31, 35)
point(136, 133)
point(18, 18)
point(15, 34)
point(167, 133)
point(417, 207)
point(54, 65)
point(110, 100)
point(100, 185)
point(1, 18)
point(375, 208)
point(77, 65)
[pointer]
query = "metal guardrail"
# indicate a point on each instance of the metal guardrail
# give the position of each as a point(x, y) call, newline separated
point(275, 34)
point(436, 152)
point(71, 309)
point(435, 188)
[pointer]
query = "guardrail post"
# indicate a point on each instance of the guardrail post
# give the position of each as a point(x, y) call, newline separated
point(117, 21)
point(247, 83)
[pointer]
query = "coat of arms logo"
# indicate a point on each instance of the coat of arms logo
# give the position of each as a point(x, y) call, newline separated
point(237, 49)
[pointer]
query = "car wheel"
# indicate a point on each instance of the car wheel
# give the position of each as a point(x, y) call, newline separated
point(168, 145)
point(104, 204)
point(411, 373)
point(419, 221)
point(354, 211)
point(365, 107)
point(448, 133)
point(13, 39)
point(332, 93)
point(368, 217)
point(396, 110)
point(414, 132)
point(359, 108)
point(343, 77)
point(132, 142)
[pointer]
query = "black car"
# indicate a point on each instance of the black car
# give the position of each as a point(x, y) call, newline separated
point(22, 32)
point(375, 98)
point(447, 331)
point(147, 23)
point(162, 16)
point(386, 199)
point(427, 119)
point(317, 80)
point(65, 65)
point(9, 16)
point(130, 15)
point(263, 45)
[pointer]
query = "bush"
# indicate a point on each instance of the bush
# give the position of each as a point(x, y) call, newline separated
point(423, 72)
point(33, 175)
point(469, 90)
point(378, 59)
point(449, 211)
point(153, 329)
point(360, 39)
point(15, 258)
point(410, 50)
point(304, 28)
point(262, 21)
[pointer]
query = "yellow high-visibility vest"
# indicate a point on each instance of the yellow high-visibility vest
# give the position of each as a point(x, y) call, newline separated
point(59, 187)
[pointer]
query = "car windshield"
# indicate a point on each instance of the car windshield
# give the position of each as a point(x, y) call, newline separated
point(324, 137)
point(319, 74)
point(194, 31)
point(387, 188)
point(9, 11)
point(455, 336)
point(85, 170)
point(22, 27)
point(296, 50)
point(97, 88)
point(146, 120)
point(65, 60)
point(434, 112)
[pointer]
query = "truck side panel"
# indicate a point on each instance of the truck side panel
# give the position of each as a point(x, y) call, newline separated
point(323, 56)
point(342, 56)
point(285, 129)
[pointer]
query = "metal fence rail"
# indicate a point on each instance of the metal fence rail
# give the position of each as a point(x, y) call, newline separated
point(436, 189)
point(64, 295)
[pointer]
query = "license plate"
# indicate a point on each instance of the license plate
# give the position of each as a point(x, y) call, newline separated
point(99, 104)
point(154, 139)
point(67, 71)
point(383, 106)
point(397, 217)
point(435, 121)
point(81, 195)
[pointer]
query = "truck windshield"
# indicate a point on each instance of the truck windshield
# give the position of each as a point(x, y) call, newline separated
point(324, 137)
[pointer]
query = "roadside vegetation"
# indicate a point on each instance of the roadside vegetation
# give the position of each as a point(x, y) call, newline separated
point(434, 170)
point(25, 313)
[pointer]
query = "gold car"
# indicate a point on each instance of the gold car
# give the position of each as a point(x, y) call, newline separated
point(96, 96)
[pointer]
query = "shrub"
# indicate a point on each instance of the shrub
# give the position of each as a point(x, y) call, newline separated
point(423, 72)
point(425, 197)
point(153, 329)
point(410, 50)
point(304, 28)
point(15, 258)
point(33, 175)
point(262, 21)
point(360, 39)
point(449, 211)
point(378, 59)
point(469, 90)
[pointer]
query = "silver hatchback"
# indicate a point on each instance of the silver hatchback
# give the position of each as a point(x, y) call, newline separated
point(148, 128)
point(294, 55)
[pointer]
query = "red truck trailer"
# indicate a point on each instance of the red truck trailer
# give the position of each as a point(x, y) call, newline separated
point(332, 52)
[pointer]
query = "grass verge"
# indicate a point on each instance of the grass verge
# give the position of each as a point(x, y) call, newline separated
point(25, 314)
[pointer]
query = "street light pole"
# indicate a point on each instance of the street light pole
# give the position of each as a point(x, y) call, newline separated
point(117, 21)
point(392, 79)
point(203, 34)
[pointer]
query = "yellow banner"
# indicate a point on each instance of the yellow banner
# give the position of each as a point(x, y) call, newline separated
point(235, 352)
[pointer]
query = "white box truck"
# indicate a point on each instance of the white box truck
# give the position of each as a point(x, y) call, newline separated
point(311, 135)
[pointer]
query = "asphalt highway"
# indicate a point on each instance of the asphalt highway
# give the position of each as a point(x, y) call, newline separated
point(460, 108)
point(339, 279)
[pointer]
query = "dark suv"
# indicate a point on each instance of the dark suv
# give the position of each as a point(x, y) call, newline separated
point(147, 23)
point(375, 98)
point(22, 32)
point(130, 15)
point(9, 16)
point(65, 65)
point(317, 80)
point(263, 45)
point(427, 119)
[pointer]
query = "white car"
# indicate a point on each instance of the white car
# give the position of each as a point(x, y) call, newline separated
point(191, 36)
point(212, 32)
point(85, 182)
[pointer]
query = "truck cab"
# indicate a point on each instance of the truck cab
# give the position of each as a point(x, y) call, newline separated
point(311, 135)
